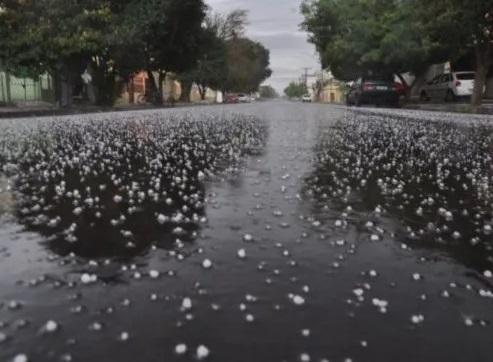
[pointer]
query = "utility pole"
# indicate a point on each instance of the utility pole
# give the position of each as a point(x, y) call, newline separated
point(305, 76)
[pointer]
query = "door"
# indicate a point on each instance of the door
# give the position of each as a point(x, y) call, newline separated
point(444, 86)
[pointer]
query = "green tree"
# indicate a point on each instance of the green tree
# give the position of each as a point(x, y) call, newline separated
point(462, 25)
point(268, 92)
point(229, 26)
point(381, 37)
point(112, 61)
point(168, 33)
point(355, 37)
point(248, 65)
point(112, 38)
point(54, 36)
point(247, 62)
point(296, 90)
point(210, 71)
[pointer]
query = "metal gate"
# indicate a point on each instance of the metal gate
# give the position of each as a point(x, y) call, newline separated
point(17, 89)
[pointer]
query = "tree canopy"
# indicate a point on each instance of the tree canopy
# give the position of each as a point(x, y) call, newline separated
point(357, 37)
point(228, 60)
point(167, 34)
point(115, 39)
point(63, 37)
point(268, 92)
point(248, 65)
point(210, 70)
point(296, 90)
point(462, 26)
point(354, 37)
point(229, 26)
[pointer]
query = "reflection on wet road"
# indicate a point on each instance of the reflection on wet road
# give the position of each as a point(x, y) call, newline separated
point(265, 232)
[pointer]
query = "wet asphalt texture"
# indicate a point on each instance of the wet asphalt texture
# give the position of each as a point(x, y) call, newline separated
point(263, 232)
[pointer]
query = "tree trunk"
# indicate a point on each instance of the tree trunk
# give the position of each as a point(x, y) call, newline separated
point(64, 81)
point(202, 91)
point(162, 79)
point(152, 96)
point(131, 90)
point(92, 91)
point(66, 91)
point(104, 83)
point(483, 62)
point(57, 88)
point(186, 88)
point(2, 92)
point(7, 87)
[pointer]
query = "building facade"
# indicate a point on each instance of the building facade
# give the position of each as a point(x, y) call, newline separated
point(327, 89)
point(137, 89)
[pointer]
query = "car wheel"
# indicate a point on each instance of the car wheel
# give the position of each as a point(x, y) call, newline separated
point(450, 97)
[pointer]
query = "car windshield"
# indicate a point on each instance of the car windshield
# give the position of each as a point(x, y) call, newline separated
point(465, 76)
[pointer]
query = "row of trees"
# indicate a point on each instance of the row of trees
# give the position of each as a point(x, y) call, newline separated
point(115, 39)
point(228, 60)
point(296, 90)
point(354, 37)
point(268, 92)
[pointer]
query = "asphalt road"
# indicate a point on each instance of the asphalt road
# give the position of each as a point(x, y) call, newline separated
point(305, 233)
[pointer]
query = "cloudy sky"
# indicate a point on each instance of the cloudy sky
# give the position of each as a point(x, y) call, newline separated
point(275, 23)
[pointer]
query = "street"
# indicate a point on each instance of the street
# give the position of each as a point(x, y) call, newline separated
point(271, 231)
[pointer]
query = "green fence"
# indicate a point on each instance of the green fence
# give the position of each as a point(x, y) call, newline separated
point(14, 89)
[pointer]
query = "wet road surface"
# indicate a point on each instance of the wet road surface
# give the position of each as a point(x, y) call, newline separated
point(262, 232)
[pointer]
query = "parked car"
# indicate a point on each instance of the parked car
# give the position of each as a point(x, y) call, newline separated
point(231, 99)
point(244, 98)
point(449, 87)
point(378, 91)
point(306, 98)
point(401, 89)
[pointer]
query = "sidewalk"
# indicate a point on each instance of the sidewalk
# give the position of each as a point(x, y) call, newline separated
point(485, 108)
point(48, 110)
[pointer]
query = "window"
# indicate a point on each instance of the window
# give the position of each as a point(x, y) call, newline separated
point(434, 80)
point(466, 76)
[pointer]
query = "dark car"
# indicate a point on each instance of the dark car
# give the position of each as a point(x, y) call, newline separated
point(373, 91)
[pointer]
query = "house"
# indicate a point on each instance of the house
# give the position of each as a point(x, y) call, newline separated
point(332, 92)
point(327, 89)
point(136, 90)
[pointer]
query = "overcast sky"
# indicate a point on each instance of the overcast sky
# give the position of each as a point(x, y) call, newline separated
point(275, 23)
